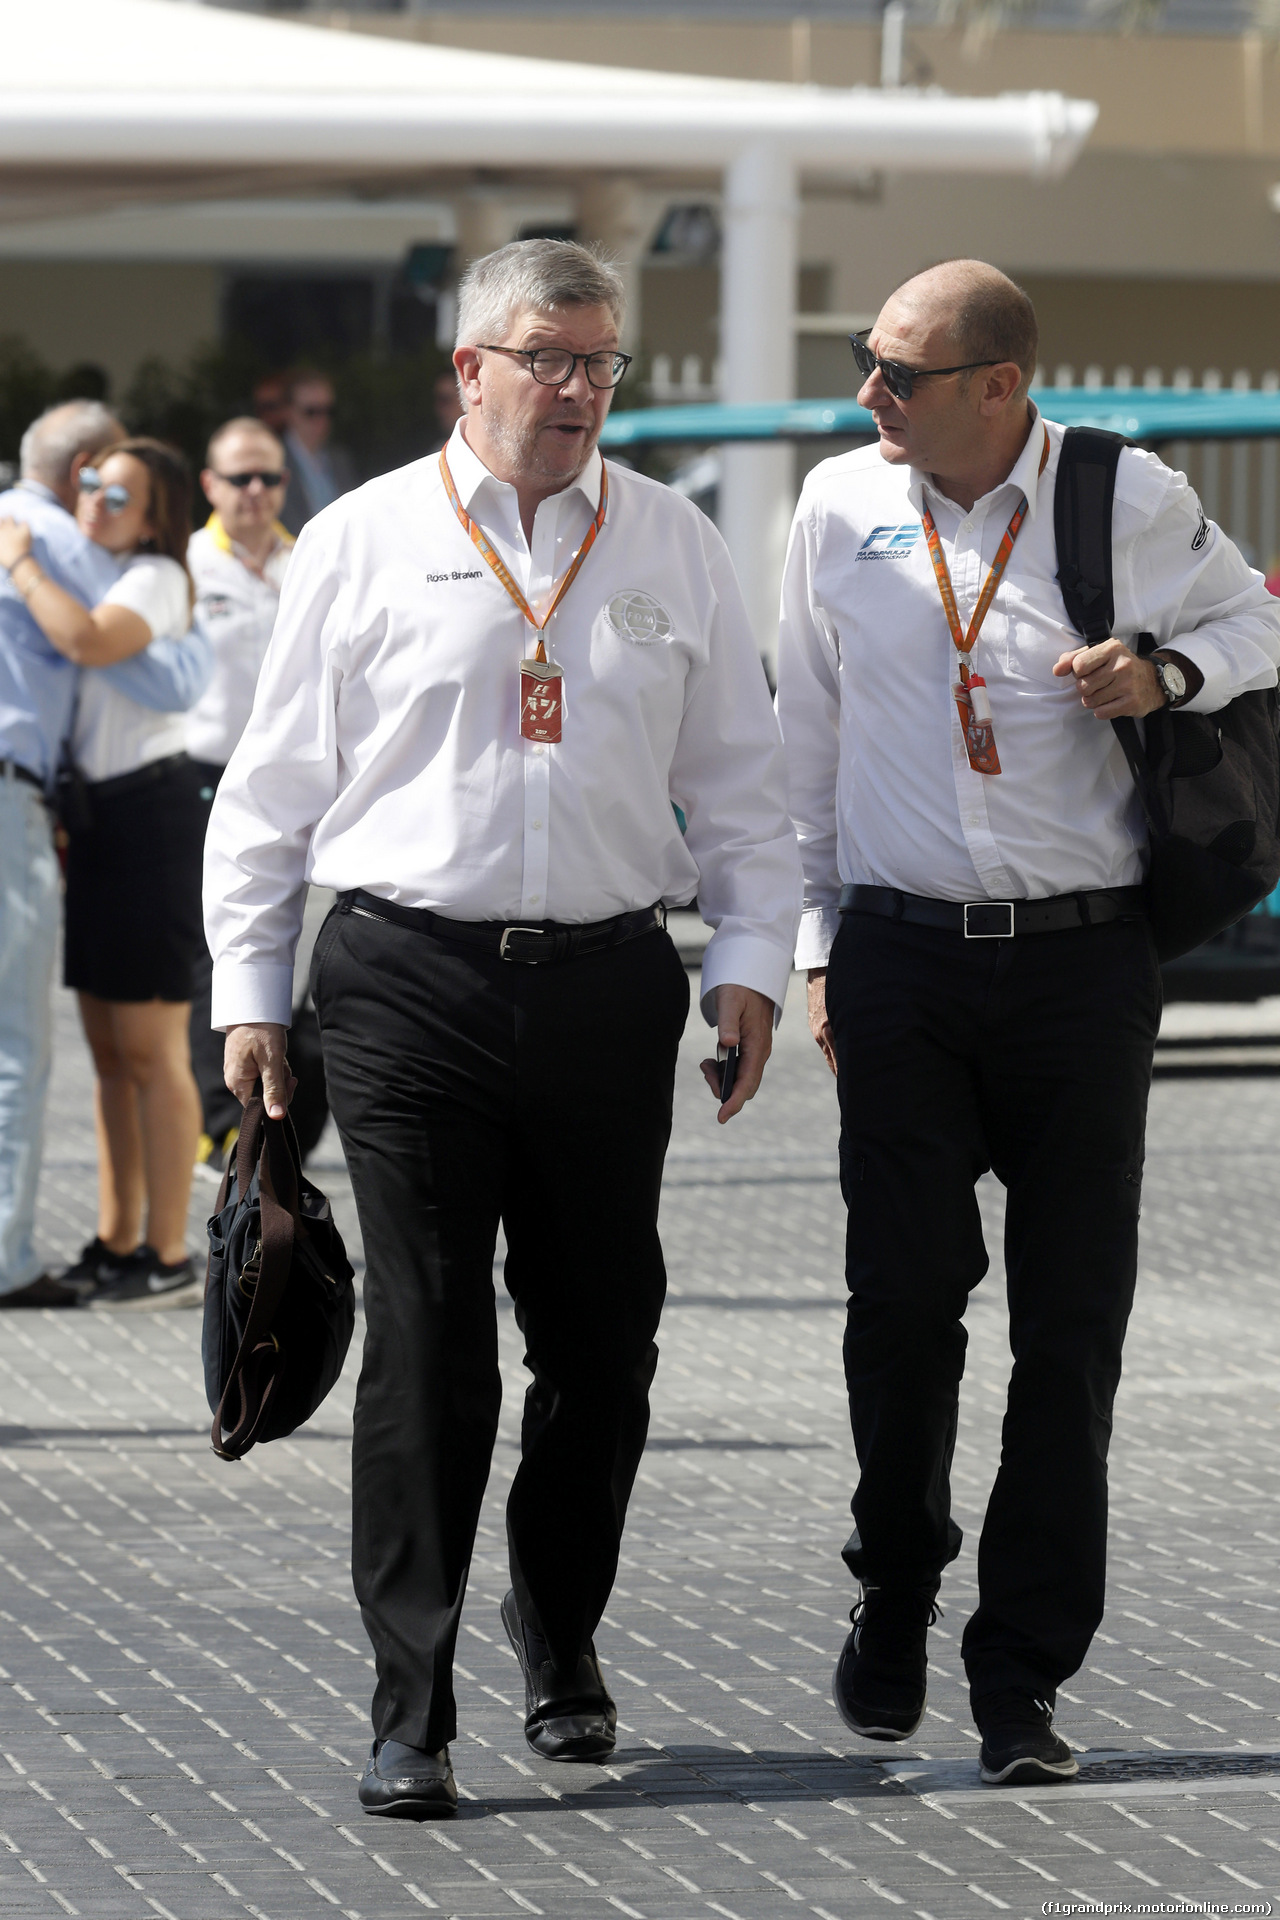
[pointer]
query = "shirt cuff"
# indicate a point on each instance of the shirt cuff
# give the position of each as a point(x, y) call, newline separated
point(743, 960)
point(818, 929)
point(1216, 691)
point(246, 993)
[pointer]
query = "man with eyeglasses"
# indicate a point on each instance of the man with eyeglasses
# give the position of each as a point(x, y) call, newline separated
point(319, 472)
point(981, 974)
point(511, 711)
point(237, 562)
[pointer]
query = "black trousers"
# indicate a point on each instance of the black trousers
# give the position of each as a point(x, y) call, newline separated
point(1031, 1057)
point(468, 1091)
point(219, 1108)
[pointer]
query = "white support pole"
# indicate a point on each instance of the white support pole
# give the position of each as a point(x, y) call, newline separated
point(757, 339)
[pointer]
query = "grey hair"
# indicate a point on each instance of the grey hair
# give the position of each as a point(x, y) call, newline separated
point(51, 443)
point(534, 276)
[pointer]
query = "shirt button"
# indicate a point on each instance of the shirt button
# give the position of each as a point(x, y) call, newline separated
point(534, 899)
point(537, 824)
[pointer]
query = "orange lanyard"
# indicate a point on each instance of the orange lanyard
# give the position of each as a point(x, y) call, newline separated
point(964, 641)
point(494, 559)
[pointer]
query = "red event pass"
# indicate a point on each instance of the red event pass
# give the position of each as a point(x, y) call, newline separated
point(541, 700)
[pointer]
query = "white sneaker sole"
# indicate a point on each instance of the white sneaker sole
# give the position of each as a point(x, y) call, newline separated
point(1027, 1772)
point(190, 1294)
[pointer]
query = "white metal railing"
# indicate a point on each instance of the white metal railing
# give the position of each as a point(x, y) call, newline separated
point(1247, 506)
point(665, 389)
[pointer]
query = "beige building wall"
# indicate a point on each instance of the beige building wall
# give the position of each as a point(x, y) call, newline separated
point(114, 313)
point(1160, 248)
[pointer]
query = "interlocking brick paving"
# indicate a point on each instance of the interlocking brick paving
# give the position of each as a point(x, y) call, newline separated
point(185, 1682)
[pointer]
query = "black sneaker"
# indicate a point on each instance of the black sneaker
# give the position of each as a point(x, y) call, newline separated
point(145, 1283)
point(879, 1686)
point(1019, 1745)
point(96, 1265)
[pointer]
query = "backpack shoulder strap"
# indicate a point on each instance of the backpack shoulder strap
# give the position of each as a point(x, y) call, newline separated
point(1082, 502)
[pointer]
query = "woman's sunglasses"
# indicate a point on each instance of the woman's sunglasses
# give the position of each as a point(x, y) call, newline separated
point(115, 498)
point(899, 379)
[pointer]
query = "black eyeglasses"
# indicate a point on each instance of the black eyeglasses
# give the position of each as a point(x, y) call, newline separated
point(899, 379)
point(555, 366)
point(243, 480)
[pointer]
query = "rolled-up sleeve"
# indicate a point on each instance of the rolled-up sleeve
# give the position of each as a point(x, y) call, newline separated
point(168, 676)
point(281, 779)
point(809, 714)
point(1191, 587)
point(728, 780)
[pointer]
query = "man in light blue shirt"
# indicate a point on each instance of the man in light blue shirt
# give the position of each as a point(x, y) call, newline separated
point(37, 697)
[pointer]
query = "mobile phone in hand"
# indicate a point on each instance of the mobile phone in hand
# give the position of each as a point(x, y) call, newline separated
point(727, 1061)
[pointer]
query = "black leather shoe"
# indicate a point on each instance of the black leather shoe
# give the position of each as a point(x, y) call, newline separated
point(43, 1291)
point(407, 1783)
point(879, 1686)
point(567, 1716)
point(1019, 1745)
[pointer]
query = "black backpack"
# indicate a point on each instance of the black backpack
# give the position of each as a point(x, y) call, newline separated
point(279, 1305)
point(1209, 783)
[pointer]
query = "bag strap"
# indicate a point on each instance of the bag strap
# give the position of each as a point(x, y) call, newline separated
point(272, 1146)
point(1083, 500)
point(1083, 496)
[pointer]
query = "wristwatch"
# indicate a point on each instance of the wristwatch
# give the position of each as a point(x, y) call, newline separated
point(1172, 680)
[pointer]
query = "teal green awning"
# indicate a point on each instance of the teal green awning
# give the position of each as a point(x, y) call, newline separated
point(1139, 413)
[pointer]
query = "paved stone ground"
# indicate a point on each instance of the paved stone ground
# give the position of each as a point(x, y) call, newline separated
point(184, 1681)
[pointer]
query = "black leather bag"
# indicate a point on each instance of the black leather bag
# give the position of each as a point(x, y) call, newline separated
point(279, 1305)
point(1209, 783)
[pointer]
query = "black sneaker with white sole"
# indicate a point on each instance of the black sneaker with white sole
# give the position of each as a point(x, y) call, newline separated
point(96, 1266)
point(145, 1283)
point(1019, 1745)
point(879, 1687)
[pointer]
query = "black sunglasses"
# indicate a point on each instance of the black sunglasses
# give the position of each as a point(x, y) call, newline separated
point(243, 480)
point(899, 379)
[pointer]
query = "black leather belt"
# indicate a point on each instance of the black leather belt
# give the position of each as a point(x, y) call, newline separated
point(121, 783)
point(529, 946)
point(15, 770)
point(998, 919)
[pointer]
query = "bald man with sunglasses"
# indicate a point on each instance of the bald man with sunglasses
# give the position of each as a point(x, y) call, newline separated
point(237, 561)
point(982, 978)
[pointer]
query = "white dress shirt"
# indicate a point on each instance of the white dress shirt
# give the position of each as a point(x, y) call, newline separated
point(237, 608)
point(384, 749)
point(113, 734)
point(881, 787)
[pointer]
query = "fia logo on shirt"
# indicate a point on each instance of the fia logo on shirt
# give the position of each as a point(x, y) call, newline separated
point(889, 543)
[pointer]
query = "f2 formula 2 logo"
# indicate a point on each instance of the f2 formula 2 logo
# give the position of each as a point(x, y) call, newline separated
point(889, 543)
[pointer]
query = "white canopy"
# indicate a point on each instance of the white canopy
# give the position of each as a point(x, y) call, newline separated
point(154, 83)
point(106, 101)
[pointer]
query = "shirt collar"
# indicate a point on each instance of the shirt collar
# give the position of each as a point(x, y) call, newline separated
point(470, 473)
point(1024, 475)
point(40, 490)
point(225, 544)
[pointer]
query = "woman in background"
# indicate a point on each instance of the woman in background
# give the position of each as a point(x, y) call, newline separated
point(133, 920)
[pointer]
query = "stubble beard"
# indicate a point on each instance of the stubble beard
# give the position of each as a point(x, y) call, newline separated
point(525, 452)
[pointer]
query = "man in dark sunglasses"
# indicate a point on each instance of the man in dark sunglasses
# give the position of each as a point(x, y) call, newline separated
point(981, 974)
point(237, 561)
point(320, 472)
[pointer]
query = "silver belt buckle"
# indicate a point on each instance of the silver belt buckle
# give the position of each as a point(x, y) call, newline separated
point(506, 935)
point(986, 906)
